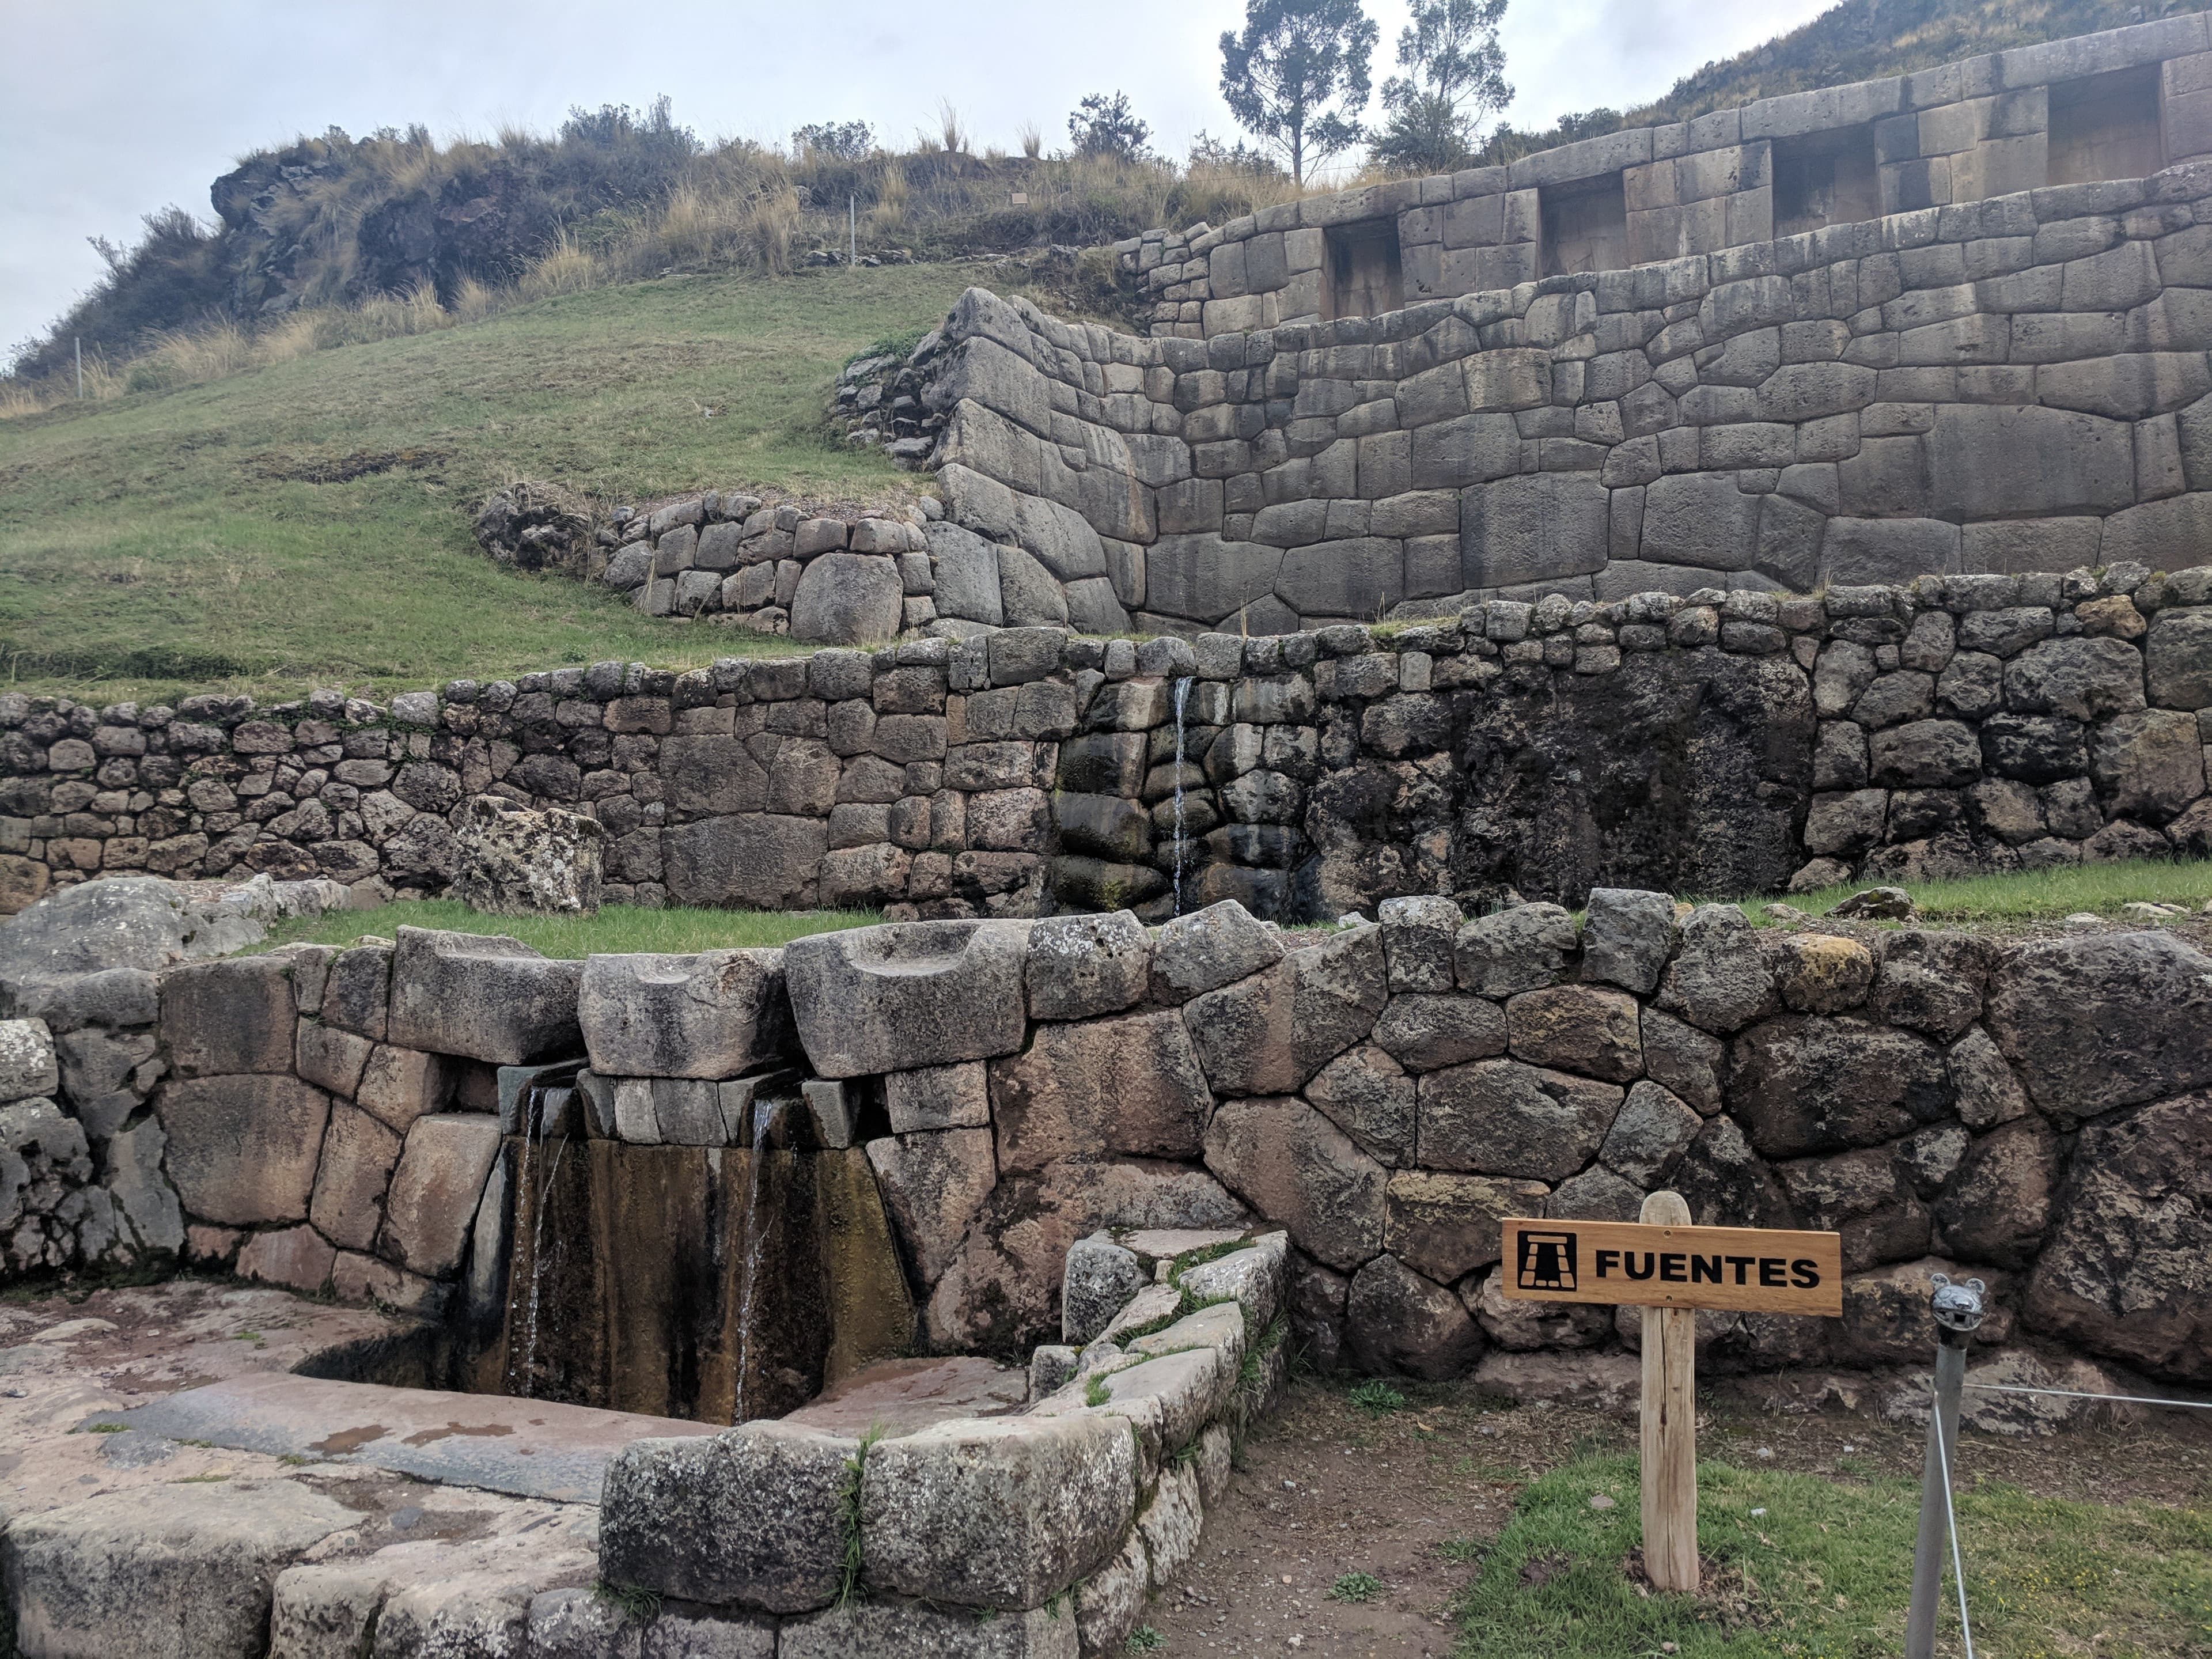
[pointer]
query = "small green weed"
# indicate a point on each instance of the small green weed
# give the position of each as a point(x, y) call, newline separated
point(107, 1428)
point(293, 1460)
point(1144, 1639)
point(637, 1604)
point(1377, 1398)
point(1094, 1391)
point(1460, 1551)
point(1356, 1587)
point(848, 1576)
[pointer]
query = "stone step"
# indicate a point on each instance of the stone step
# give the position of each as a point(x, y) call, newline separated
point(904, 1396)
point(525, 1448)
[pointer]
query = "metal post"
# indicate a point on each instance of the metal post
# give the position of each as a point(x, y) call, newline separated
point(852, 229)
point(79, 367)
point(1958, 1310)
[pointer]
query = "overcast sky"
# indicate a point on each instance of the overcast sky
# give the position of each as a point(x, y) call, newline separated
point(110, 109)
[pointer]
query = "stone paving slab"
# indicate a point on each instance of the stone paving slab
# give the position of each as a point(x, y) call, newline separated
point(904, 1396)
point(527, 1448)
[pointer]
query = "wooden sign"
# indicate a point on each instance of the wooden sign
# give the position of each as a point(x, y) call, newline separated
point(1744, 1269)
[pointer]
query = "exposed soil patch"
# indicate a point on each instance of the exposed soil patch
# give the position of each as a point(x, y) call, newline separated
point(1415, 1497)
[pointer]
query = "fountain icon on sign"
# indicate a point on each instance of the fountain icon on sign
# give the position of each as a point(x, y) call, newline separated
point(1546, 1263)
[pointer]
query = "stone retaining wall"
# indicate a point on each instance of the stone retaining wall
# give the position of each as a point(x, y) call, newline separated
point(1727, 741)
point(1384, 1092)
point(1959, 133)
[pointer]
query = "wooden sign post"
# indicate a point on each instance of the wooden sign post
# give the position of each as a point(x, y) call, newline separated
point(1663, 1263)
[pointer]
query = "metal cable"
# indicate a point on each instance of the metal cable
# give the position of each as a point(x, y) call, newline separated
point(2076, 1394)
point(1951, 1522)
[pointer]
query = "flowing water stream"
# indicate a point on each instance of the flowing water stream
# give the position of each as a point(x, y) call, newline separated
point(1182, 696)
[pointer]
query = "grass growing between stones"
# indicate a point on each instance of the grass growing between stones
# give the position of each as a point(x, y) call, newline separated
point(179, 541)
point(1799, 1565)
point(617, 929)
point(2033, 896)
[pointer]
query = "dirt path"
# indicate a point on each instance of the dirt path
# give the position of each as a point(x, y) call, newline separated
point(1327, 1489)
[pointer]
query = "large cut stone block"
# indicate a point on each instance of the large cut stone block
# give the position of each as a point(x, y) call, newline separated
point(1130, 1086)
point(485, 996)
point(933, 1186)
point(1535, 527)
point(434, 1190)
point(874, 999)
point(2123, 1273)
point(1080, 966)
point(1501, 1117)
point(755, 1516)
point(244, 1149)
point(219, 1018)
point(709, 1015)
point(1806, 1084)
point(1000, 1512)
point(914, 1630)
point(176, 1572)
point(1296, 1168)
point(2103, 1021)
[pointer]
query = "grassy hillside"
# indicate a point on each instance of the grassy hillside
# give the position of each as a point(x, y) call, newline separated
point(1857, 40)
point(181, 540)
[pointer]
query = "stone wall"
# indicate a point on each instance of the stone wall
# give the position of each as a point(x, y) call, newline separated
point(1735, 178)
point(2007, 385)
point(1721, 742)
point(1384, 1092)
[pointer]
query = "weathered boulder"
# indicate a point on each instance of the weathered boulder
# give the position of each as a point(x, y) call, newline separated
point(1578, 1028)
point(1101, 1276)
point(1931, 981)
point(1628, 936)
point(1394, 1320)
point(916, 1630)
point(1425, 1033)
point(848, 598)
point(1366, 1094)
point(875, 999)
point(1888, 1318)
point(244, 1150)
point(1295, 1167)
point(1684, 1060)
point(1270, 1033)
point(2102, 1020)
point(1524, 1326)
point(1999, 1202)
point(512, 862)
point(483, 996)
point(997, 1512)
point(161, 1571)
point(709, 1015)
point(1652, 1129)
point(1820, 973)
point(1720, 980)
point(2125, 1270)
point(1417, 939)
point(939, 1097)
point(755, 1514)
point(1208, 949)
point(1867, 1197)
point(1501, 1117)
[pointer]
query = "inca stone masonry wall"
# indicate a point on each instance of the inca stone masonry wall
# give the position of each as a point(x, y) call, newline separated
point(1385, 1092)
point(2118, 103)
point(1724, 742)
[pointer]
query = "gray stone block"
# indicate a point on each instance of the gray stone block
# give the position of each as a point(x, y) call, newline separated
point(711, 1014)
point(1099, 1277)
point(485, 997)
point(878, 999)
point(1627, 937)
point(1000, 1512)
point(755, 1517)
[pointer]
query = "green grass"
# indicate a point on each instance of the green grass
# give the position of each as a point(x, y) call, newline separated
point(1826, 1572)
point(1356, 1587)
point(1375, 1397)
point(2098, 888)
point(152, 545)
point(616, 929)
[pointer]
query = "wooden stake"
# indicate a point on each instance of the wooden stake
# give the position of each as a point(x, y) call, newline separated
point(1670, 1427)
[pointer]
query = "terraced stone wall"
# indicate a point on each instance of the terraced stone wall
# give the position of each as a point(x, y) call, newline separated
point(1727, 741)
point(2005, 386)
